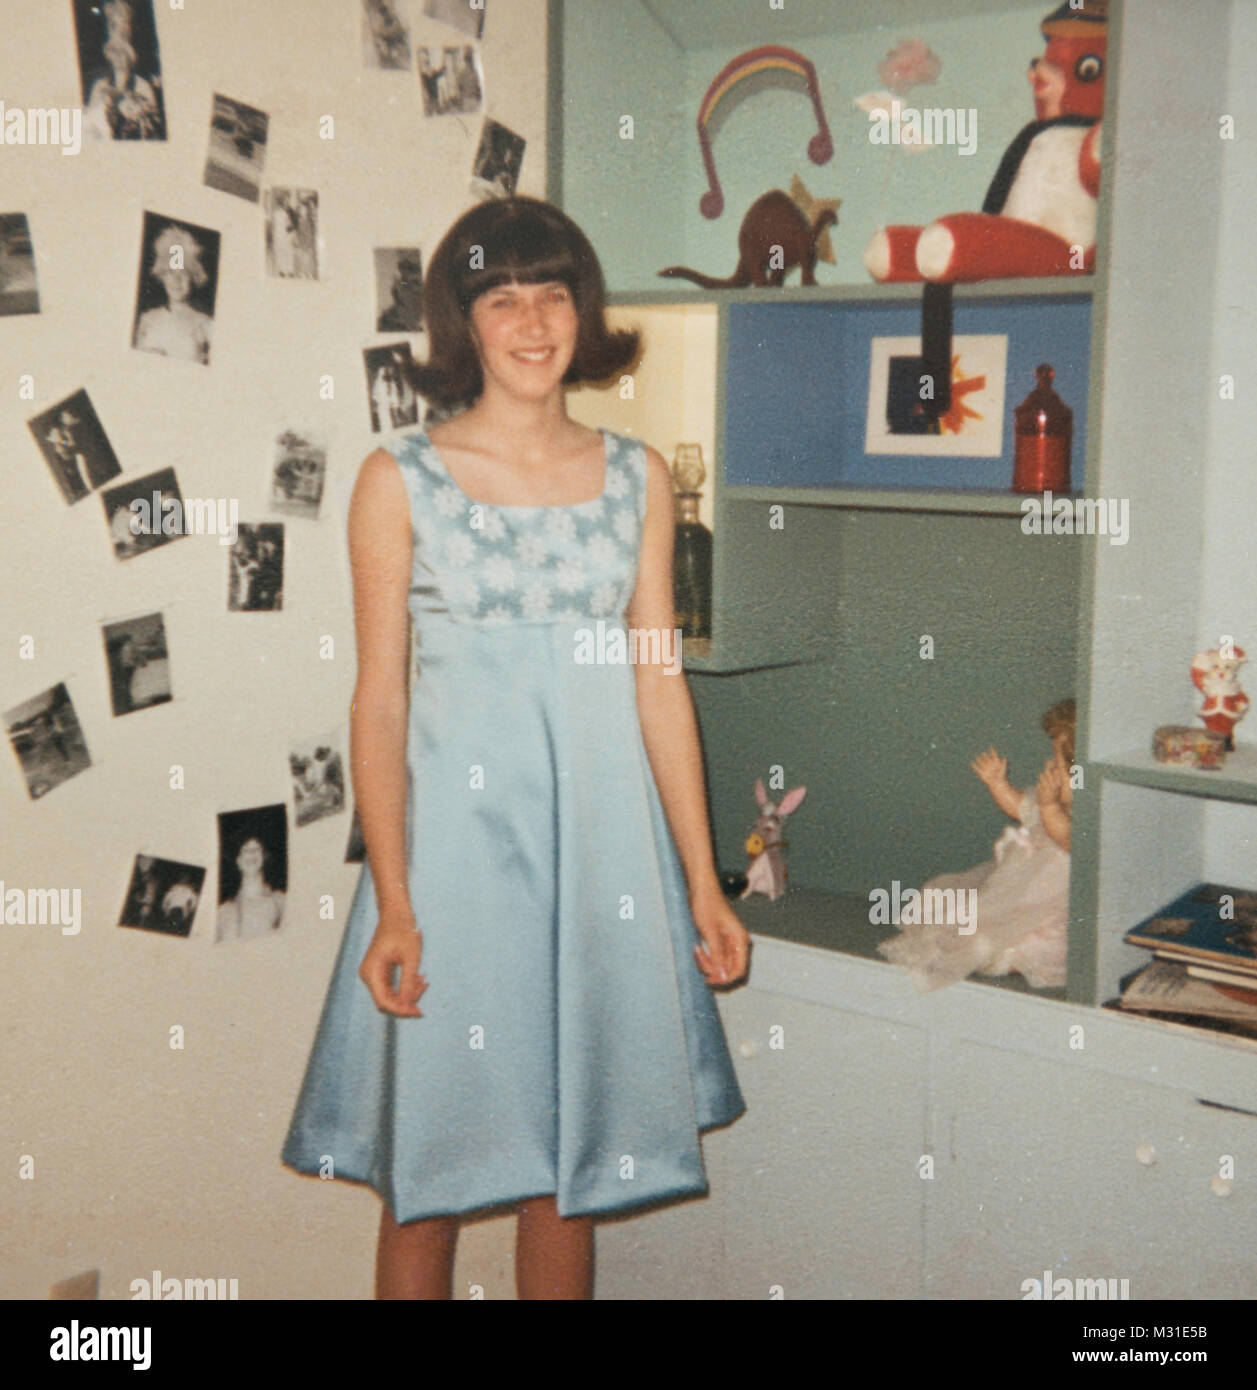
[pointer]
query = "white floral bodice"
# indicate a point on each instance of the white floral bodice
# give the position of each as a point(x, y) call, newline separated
point(481, 563)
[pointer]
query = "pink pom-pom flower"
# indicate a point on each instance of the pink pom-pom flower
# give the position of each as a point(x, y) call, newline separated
point(910, 64)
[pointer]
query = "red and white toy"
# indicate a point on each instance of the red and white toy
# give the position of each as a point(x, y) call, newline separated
point(1215, 676)
point(1039, 215)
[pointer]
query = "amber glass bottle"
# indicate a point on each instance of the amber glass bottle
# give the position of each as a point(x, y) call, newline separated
point(1043, 430)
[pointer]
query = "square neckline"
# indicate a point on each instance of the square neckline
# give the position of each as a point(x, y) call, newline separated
point(524, 506)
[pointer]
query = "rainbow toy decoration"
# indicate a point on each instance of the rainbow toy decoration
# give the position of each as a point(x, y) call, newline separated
point(743, 76)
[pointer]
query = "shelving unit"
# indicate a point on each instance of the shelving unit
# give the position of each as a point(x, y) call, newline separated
point(1142, 412)
point(1149, 831)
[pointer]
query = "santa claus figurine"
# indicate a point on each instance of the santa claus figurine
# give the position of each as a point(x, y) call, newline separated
point(1214, 675)
point(1039, 215)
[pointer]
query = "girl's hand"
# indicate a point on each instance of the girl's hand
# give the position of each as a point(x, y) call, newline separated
point(397, 942)
point(1051, 781)
point(728, 943)
point(992, 770)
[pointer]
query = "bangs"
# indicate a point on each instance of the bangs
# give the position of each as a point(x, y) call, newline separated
point(519, 239)
point(527, 249)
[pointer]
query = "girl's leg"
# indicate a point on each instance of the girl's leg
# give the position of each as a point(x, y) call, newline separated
point(415, 1260)
point(554, 1255)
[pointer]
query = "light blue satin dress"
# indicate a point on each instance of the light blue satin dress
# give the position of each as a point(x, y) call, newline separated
point(569, 1043)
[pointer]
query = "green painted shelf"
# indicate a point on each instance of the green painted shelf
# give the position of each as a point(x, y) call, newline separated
point(871, 293)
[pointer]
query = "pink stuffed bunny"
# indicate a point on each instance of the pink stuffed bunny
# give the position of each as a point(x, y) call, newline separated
point(767, 871)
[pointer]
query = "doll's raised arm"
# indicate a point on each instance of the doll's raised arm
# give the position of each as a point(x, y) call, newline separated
point(992, 770)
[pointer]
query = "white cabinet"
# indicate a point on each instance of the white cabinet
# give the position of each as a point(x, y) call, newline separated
point(819, 1194)
point(1052, 1165)
point(1092, 1161)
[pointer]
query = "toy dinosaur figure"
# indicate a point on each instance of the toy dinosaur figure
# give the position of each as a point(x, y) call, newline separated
point(775, 236)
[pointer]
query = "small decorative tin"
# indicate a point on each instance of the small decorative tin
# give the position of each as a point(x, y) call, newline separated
point(1186, 746)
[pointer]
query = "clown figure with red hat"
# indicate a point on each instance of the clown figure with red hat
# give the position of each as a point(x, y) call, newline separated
point(1039, 214)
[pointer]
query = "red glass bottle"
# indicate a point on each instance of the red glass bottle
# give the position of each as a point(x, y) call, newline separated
point(1043, 436)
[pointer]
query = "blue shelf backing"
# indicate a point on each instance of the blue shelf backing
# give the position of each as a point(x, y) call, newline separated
point(796, 395)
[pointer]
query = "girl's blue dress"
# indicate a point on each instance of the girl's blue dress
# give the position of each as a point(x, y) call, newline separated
point(569, 1043)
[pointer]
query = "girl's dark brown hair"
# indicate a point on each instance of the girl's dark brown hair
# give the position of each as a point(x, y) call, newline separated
point(504, 239)
point(1060, 719)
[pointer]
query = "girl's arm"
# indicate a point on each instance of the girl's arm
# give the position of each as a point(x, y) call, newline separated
point(670, 735)
point(380, 556)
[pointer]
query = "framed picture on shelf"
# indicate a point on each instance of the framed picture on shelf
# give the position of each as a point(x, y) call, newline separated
point(973, 424)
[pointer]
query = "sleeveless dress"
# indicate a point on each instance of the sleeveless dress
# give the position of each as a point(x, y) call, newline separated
point(569, 1044)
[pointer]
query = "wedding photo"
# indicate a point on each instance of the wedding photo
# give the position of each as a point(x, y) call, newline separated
point(138, 662)
point(119, 69)
point(144, 514)
point(75, 446)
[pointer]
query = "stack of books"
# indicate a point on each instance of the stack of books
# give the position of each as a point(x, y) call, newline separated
point(1205, 960)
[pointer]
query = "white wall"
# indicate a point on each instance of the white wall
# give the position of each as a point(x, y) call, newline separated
point(1227, 606)
point(147, 1157)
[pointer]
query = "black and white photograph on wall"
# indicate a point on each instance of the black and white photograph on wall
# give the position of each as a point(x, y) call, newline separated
point(318, 779)
point(45, 734)
point(292, 233)
point(237, 148)
point(75, 446)
point(174, 300)
point(398, 290)
point(495, 170)
point(138, 663)
point(385, 35)
point(162, 896)
point(120, 70)
point(144, 513)
point(456, 86)
point(394, 404)
point(297, 478)
point(19, 293)
point(252, 872)
point(257, 569)
point(355, 846)
point(460, 14)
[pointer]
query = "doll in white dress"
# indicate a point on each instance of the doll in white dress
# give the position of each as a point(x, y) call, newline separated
point(1022, 902)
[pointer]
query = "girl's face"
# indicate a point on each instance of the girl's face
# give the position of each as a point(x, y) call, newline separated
point(525, 336)
point(178, 285)
point(1061, 743)
point(250, 856)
